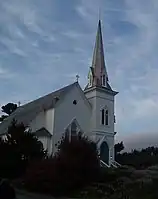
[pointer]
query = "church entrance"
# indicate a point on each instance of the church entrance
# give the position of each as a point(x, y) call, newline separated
point(104, 152)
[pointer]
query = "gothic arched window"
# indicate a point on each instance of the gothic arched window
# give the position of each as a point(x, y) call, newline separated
point(73, 130)
point(104, 117)
point(90, 80)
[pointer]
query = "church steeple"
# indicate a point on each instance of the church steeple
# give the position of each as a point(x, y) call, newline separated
point(101, 97)
point(98, 75)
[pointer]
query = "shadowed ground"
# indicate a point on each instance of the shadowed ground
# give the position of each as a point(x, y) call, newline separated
point(25, 195)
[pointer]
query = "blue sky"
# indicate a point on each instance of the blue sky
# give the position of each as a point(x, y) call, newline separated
point(45, 43)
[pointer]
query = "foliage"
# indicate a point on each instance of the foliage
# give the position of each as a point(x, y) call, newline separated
point(119, 147)
point(110, 185)
point(139, 159)
point(17, 149)
point(75, 164)
point(25, 142)
point(82, 153)
point(8, 109)
point(2, 117)
point(122, 184)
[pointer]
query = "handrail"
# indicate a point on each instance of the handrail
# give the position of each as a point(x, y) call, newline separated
point(106, 165)
point(118, 164)
point(114, 163)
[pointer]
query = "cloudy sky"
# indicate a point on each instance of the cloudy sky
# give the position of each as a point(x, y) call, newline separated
point(45, 43)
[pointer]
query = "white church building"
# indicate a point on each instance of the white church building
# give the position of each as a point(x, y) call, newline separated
point(72, 110)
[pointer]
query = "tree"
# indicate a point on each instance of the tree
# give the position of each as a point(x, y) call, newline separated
point(18, 149)
point(81, 154)
point(139, 159)
point(119, 147)
point(8, 109)
point(26, 142)
point(3, 117)
point(75, 164)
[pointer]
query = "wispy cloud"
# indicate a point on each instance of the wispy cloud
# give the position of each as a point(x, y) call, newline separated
point(48, 43)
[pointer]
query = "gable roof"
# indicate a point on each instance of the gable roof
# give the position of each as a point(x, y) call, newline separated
point(29, 111)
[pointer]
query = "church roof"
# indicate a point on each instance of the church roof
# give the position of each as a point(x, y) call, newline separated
point(29, 111)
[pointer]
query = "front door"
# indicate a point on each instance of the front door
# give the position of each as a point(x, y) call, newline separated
point(104, 152)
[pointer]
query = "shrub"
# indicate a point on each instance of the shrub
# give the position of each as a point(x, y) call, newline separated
point(75, 164)
point(18, 149)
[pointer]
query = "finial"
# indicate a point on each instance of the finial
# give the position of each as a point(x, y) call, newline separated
point(77, 78)
point(99, 10)
point(99, 13)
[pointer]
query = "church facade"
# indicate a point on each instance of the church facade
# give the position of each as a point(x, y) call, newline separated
point(71, 110)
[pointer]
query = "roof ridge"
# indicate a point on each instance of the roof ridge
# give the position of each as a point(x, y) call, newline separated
point(28, 111)
point(58, 90)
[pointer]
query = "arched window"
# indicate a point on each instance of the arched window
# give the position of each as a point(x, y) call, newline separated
point(90, 80)
point(73, 130)
point(102, 116)
point(106, 117)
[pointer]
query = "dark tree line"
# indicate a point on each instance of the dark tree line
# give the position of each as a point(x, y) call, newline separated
point(139, 159)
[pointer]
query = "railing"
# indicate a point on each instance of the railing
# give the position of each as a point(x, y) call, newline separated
point(103, 164)
point(115, 164)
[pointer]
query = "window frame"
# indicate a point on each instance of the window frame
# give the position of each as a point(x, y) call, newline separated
point(69, 128)
point(90, 79)
point(104, 116)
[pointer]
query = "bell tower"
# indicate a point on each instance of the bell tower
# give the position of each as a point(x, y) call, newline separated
point(101, 96)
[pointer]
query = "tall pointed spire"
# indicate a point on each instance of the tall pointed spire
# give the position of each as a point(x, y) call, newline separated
point(98, 62)
point(98, 75)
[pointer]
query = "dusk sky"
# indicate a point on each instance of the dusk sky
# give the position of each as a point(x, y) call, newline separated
point(45, 43)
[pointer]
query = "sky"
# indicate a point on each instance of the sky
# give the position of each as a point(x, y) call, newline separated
point(45, 43)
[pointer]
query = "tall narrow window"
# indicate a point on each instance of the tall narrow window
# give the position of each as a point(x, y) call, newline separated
point(106, 117)
point(103, 80)
point(90, 80)
point(102, 116)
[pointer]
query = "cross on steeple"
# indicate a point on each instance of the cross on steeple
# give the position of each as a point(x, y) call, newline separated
point(77, 78)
